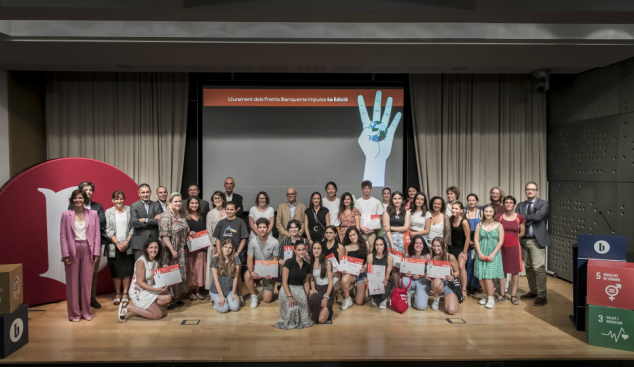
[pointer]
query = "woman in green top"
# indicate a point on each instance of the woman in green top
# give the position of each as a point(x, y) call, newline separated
point(489, 237)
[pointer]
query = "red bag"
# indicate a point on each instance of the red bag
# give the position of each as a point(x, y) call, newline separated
point(399, 297)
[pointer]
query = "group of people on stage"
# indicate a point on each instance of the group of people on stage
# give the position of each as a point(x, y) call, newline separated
point(482, 244)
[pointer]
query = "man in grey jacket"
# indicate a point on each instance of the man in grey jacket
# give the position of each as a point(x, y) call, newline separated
point(534, 243)
point(144, 215)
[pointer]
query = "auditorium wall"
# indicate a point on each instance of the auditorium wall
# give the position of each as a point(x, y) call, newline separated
point(590, 159)
point(5, 172)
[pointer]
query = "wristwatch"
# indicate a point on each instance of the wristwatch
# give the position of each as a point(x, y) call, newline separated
point(326, 297)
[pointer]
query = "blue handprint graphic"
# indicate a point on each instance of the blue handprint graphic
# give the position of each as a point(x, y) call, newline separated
point(376, 138)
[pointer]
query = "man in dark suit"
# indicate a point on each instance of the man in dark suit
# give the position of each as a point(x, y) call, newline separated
point(534, 243)
point(144, 215)
point(89, 189)
point(233, 197)
point(194, 190)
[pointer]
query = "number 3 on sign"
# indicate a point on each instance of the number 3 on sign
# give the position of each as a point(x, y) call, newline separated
point(600, 318)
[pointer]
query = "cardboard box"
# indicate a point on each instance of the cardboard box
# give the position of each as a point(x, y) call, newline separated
point(610, 327)
point(14, 329)
point(11, 288)
point(611, 284)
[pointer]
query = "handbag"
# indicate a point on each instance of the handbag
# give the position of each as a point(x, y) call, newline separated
point(399, 297)
point(457, 290)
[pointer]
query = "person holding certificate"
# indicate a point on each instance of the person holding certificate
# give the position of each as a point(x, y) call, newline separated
point(321, 285)
point(379, 257)
point(371, 211)
point(197, 260)
point(419, 283)
point(489, 238)
point(441, 286)
point(219, 202)
point(173, 229)
point(294, 313)
point(396, 221)
point(332, 246)
point(225, 270)
point(263, 248)
point(146, 298)
point(293, 228)
point(355, 247)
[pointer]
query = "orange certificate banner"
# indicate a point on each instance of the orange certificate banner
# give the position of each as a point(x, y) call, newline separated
point(300, 97)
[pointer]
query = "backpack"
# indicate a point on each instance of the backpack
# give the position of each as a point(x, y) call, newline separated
point(399, 297)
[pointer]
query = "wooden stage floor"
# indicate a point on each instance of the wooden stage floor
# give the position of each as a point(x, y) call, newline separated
point(362, 333)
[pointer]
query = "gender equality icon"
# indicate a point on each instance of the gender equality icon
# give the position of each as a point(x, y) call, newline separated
point(376, 138)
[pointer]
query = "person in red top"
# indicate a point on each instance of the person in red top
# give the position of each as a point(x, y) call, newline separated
point(514, 228)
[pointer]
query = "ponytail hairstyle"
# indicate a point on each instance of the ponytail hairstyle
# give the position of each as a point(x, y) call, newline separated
point(223, 267)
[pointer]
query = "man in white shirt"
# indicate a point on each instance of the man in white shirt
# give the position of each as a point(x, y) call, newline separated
point(264, 248)
point(369, 206)
point(161, 193)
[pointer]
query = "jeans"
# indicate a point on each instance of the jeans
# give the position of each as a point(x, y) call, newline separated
point(231, 304)
point(421, 288)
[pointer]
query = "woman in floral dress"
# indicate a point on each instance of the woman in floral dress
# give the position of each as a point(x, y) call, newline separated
point(173, 230)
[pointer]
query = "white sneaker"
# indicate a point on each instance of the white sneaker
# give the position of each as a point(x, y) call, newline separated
point(482, 301)
point(346, 304)
point(490, 302)
point(434, 305)
point(254, 301)
point(373, 303)
point(383, 304)
point(241, 301)
point(409, 300)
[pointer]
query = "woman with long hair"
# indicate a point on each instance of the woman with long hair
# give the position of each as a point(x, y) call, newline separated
point(419, 283)
point(197, 260)
point(396, 221)
point(321, 285)
point(173, 229)
point(120, 257)
point(473, 216)
point(219, 201)
point(355, 246)
point(331, 245)
point(489, 238)
point(225, 269)
point(380, 257)
point(438, 223)
point(441, 286)
point(514, 228)
point(496, 195)
point(460, 239)
point(411, 194)
point(316, 219)
point(146, 298)
point(420, 213)
point(348, 215)
point(261, 209)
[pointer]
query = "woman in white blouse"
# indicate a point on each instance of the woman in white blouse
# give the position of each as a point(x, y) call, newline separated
point(120, 257)
point(261, 209)
point(420, 213)
point(219, 201)
point(332, 202)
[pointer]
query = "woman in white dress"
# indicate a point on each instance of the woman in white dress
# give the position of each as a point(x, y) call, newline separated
point(261, 209)
point(213, 217)
point(420, 213)
point(145, 297)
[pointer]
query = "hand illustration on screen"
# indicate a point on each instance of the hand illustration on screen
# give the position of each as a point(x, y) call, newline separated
point(376, 138)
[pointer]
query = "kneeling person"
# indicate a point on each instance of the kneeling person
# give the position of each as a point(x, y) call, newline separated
point(264, 248)
point(225, 270)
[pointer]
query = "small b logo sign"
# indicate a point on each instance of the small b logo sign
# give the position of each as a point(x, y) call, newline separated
point(16, 330)
point(601, 247)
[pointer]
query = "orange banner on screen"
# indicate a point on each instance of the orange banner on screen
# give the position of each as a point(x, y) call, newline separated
point(299, 97)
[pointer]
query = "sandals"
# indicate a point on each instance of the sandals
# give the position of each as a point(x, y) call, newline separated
point(125, 300)
point(123, 310)
point(515, 301)
point(117, 299)
point(500, 298)
point(200, 296)
point(193, 297)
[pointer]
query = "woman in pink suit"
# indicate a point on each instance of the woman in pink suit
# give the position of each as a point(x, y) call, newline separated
point(80, 243)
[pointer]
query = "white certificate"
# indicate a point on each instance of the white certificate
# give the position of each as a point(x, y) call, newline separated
point(333, 262)
point(288, 252)
point(199, 241)
point(371, 221)
point(167, 276)
point(266, 268)
point(438, 269)
point(415, 266)
point(351, 265)
point(396, 256)
point(376, 276)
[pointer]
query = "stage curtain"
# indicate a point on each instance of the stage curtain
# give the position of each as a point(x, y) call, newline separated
point(479, 131)
point(133, 121)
